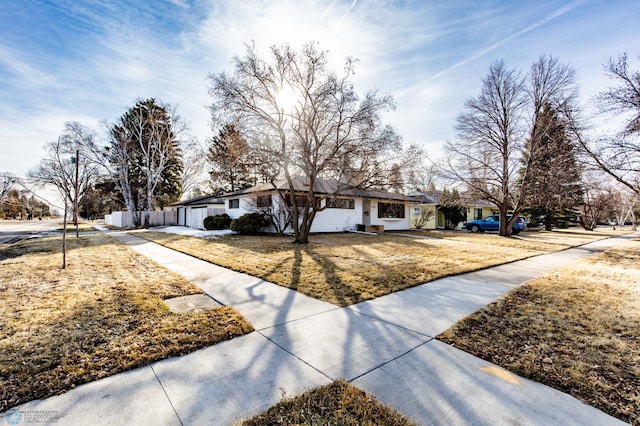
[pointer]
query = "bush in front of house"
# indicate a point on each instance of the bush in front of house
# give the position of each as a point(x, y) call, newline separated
point(219, 221)
point(249, 224)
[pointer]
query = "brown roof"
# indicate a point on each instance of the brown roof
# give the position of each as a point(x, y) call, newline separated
point(321, 186)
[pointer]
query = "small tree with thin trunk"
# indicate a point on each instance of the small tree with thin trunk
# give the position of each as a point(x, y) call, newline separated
point(67, 167)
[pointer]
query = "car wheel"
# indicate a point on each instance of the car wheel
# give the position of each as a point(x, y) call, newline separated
point(515, 232)
point(475, 228)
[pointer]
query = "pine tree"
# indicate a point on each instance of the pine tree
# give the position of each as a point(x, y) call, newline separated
point(229, 159)
point(452, 208)
point(554, 186)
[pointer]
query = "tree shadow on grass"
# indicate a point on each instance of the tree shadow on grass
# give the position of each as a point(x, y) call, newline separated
point(88, 338)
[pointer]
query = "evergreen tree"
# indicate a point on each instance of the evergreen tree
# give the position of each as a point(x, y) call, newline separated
point(229, 159)
point(554, 186)
point(452, 208)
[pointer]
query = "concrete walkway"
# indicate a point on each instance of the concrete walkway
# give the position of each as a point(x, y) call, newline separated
point(385, 346)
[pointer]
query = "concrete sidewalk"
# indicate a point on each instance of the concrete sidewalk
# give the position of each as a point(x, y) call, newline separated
point(384, 346)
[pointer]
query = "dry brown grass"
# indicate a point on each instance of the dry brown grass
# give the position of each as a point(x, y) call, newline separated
point(338, 403)
point(535, 239)
point(577, 330)
point(104, 314)
point(349, 268)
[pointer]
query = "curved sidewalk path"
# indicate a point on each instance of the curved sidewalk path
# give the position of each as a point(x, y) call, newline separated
point(385, 346)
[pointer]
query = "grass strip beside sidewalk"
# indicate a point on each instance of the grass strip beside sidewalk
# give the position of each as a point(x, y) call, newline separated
point(338, 403)
point(102, 315)
point(344, 269)
point(577, 330)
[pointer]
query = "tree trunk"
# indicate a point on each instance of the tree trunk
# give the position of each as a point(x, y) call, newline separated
point(305, 227)
point(128, 201)
point(147, 211)
point(504, 230)
point(548, 222)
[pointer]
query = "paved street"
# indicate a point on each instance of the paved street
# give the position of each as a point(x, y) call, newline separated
point(10, 230)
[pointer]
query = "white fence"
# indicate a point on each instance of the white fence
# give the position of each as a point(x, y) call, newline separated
point(195, 216)
point(157, 218)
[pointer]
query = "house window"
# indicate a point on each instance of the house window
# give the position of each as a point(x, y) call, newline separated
point(301, 201)
point(234, 203)
point(341, 203)
point(263, 200)
point(391, 211)
point(478, 214)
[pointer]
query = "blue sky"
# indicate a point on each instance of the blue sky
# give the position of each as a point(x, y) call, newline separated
point(89, 60)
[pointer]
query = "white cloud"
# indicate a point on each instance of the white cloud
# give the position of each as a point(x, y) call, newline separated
point(430, 55)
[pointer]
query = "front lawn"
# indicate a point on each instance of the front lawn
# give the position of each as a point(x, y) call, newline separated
point(348, 268)
point(103, 315)
point(577, 330)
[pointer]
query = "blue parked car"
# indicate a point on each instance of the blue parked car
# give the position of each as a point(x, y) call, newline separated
point(492, 223)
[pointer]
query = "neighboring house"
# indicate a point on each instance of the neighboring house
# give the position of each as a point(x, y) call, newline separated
point(424, 210)
point(427, 204)
point(352, 209)
point(480, 209)
point(192, 212)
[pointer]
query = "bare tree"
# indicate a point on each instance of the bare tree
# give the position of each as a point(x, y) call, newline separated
point(305, 120)
point(498, 125)
point(619, 155)
point(67, 168)
point(275, 210)
point(598, 202)
point(490, 136)
point(194, 163)
point(7, 181)
point(423, 218)
point(150, 128)
point(143, 155)
point(625, 206)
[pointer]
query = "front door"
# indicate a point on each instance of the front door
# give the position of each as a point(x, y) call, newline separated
point(366, 212)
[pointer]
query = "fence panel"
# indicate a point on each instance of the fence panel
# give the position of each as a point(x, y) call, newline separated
point(122, 219)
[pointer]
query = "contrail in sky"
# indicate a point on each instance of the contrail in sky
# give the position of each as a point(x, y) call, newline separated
point(517, 34)
point(345, 14)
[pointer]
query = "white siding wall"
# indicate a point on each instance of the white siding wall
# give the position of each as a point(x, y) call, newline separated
point(338, 220)
point(334, 220)
point(245, 207)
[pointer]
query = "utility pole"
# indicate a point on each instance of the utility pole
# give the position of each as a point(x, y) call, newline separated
point(64, 236)
point(76, 160)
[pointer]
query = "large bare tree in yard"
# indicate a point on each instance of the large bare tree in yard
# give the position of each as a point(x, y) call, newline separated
point(500, 125)
point(143, 157)
point(146, 137)
point(306, 121)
